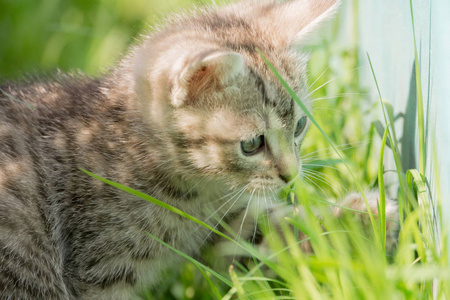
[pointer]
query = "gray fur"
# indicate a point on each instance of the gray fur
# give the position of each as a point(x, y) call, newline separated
point(65, 235)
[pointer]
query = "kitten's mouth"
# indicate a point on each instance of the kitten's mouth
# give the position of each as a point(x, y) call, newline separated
point(269, 182)
point(264, 186)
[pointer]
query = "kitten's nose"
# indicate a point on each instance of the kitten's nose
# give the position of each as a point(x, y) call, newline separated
point(288, 177)
point(283, 154)
point(287, 166)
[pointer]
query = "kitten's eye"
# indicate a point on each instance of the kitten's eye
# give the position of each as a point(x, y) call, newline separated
point(252, 146)
point(300, 126)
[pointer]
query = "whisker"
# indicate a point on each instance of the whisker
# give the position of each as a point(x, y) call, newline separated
point(317, 176)
point(231, 206)
point(324, 166)
point(227, 195)
point(302, 180)
point(238, 236)
point(255, 229)
point(328, 108)
point(318, 78)
point(354, 69)
point(341, 147)
point(336, 96)
point(326, 175)
point(245, 215)
point(191, 189)
point(325, 194)
point(240, 192)
point(266, 205)
point(268, 220)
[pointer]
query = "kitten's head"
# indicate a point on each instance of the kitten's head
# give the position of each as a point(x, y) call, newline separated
point(219, 110)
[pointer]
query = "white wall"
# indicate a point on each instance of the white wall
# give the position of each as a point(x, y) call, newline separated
point(385, 32)
point(440, 92)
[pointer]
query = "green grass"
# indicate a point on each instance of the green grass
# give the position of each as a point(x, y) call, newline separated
point(85, 35)
point(342, 152)
point(349, 262)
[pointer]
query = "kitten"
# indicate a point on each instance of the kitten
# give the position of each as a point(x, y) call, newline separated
point(191, 116)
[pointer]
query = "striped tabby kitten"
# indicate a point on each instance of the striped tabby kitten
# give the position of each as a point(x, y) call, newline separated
point(191, 116)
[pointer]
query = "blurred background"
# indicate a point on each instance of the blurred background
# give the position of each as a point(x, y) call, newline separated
point(76, 34)
point(91, 35)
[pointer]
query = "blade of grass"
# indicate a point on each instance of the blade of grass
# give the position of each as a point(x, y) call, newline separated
point(414, 178)
point(368, 151)
point(237, 284)
point(380, 130)
point(195, 262)
point(420, 114)
point(155, 201)
point(163, 205)
point(408, 148)
point(387, 114)
point(230, 294)
point(405, 193)
point(17, 100)
point(210, 283)
point(313, 120)
point(381, 188)
point(320, 163)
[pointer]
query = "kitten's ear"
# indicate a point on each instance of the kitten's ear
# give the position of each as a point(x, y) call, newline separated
point(204, 72)
point(295, 20)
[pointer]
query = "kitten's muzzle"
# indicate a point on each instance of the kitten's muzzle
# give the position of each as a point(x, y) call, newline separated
point(283, 155)
point(288, 178)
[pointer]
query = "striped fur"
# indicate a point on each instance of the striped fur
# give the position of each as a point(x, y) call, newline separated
point(167, 121)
